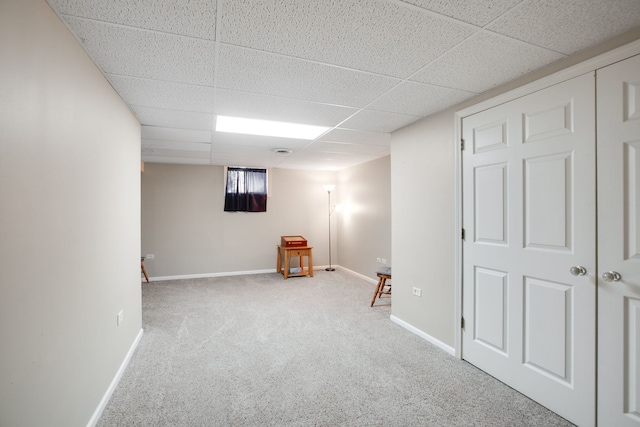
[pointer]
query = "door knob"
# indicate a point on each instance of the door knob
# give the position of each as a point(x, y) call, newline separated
point(611, 276)
point(578, 270)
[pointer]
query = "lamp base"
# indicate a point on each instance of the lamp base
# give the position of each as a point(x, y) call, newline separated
point(330, 269)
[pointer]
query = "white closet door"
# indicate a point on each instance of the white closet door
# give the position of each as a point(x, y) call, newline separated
point(619, 244)
point(529, 216)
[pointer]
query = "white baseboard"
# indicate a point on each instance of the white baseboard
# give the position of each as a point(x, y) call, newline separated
point(422, 334)
point(114, 383)
point(242, 273)
point(363, 277)
point(204, 275)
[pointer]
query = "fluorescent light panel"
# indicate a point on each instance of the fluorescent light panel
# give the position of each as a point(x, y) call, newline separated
point(268, 128)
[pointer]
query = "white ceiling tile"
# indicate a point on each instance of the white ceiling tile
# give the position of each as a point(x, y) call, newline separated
point(173, 134)
point(251, 105)
point(173, 118)
point(161, 152)
point(325, 160)
point(318, 62)
point(269, 142)
point(570, 25)
point(149, 54)
point(177, 160)
point(483, 61)
point(344, 147)
point(253, 71)
point(184, 17)
point(168, 95)
point(357, 137)
point(226, 155)
point(379, 121)
point(419, 99)
point(148, 143)
point(373, 35)
point(477, 12)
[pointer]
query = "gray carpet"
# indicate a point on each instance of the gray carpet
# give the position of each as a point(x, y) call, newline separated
point(258, 350)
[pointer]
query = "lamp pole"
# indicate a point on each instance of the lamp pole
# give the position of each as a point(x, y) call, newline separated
point(329, 188)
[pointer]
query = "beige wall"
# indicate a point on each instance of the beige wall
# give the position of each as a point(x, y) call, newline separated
point(185, 227)
point(365, 221)
point(423, 156)
point(423, 219)
point(184, 224)
point(69, 223)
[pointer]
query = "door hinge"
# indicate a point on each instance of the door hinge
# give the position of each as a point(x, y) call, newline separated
point(462, 144)
point(462, 322)
point(462, 234)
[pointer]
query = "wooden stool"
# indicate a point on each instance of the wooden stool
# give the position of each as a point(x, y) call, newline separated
point(144, 271)
point(383, 275)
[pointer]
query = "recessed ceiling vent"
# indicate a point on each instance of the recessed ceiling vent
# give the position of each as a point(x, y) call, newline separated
point(281, 151)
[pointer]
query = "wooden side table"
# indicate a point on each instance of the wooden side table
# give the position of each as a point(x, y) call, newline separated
point(299, 251)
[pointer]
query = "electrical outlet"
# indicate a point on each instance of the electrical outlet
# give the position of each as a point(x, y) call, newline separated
point(384, 261)
point(150, 256)
point(119, 318)
point(379, 260)
point(417, 292)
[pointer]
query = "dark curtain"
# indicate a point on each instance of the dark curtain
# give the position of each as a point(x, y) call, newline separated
point(246, 190)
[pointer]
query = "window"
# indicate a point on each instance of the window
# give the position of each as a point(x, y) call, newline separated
point(246, 190)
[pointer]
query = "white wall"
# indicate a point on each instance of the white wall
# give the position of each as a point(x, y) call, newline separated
point(69, 223)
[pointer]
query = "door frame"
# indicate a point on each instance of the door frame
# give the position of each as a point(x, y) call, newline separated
point(558, 72)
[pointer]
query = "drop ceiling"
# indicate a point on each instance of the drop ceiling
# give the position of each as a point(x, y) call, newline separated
point(363, 68)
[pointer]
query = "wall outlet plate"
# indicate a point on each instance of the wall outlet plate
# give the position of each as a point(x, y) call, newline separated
point(150, 256)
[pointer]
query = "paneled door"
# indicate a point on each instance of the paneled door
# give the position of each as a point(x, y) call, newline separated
point(618, 89)
point(529, 207)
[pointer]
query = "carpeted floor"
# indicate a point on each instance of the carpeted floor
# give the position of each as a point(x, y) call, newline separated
point(258, 350)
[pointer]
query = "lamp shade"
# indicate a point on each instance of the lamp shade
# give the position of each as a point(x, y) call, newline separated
point(329, 187)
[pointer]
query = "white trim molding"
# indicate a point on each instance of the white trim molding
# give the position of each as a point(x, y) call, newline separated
point(204, 275)
point(424, 335)
point(362, 276)
point(236, 273)
point(114, 383)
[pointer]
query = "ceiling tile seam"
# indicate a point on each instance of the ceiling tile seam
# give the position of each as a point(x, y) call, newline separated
point(412, 75)
point(133, 27)
point(432, 13)
point(334, 142)
point(156, 80)
point(366, 144)
point(216, 62)
point(289, 98)
point(312, 61)
point(399, 80)
point(171, 109)
point(506, 12)
point(504, 36)
point(281, 97)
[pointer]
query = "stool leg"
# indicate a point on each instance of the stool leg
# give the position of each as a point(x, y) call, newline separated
point(144, 271)
point(383, 283)
point(377, 292)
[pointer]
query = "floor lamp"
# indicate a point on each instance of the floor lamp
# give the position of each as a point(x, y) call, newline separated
point(329, 188)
